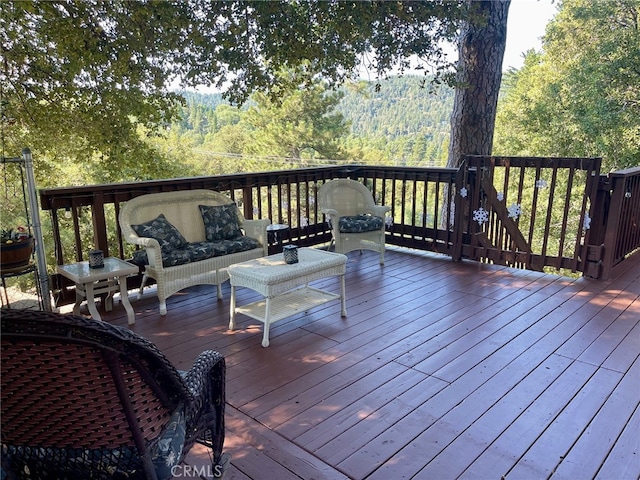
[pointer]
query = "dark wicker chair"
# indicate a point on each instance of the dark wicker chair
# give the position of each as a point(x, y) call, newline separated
point(83, 399)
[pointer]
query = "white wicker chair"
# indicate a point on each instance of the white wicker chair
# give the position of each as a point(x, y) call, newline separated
point(342, 199)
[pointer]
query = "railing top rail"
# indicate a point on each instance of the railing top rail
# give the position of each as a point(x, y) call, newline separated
point(75, 196)
point(627, 172)
point(558, 162)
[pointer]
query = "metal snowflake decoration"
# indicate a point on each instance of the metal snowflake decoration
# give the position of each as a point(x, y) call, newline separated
point(500, 196)
point(514, 210)
point(481, 215)
point(452, 213)
point(463, 192)
point(587, 222)
point(541, 183)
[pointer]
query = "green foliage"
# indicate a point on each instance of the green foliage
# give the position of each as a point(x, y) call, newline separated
point(301, 123)
point(397, 121)
point(79, 77)
point(249, 42)
point(81, 80)
point(581, 96)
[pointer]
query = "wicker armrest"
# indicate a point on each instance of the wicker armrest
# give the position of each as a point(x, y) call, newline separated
point(257, 229)
point(206, 382)
point(330, 211)
point(380, 210)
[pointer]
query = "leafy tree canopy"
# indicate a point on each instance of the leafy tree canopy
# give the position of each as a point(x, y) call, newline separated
point(581, 95)
point(249, 42)
point(81, 78)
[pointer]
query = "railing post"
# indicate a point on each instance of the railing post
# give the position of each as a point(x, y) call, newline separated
point(595, 249)
point(612, 227)
point(247, 197)
point(458, 213)
point(99, 224)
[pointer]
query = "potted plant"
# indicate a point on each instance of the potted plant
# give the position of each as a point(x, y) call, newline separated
point(16, 247)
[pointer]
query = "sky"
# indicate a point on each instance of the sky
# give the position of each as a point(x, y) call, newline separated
point(525, 26)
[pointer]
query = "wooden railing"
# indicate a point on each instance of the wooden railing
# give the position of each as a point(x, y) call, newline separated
point(527, 212)
point(617, 222)
point(429, 211)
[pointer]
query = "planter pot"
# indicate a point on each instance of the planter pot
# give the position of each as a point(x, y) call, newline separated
point(16, 254)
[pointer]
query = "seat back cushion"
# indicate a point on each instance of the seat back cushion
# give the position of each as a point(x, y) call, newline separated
point(220, 222)
point(168, 236)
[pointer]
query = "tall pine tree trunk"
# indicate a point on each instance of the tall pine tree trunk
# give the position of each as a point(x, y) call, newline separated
point(481, 50)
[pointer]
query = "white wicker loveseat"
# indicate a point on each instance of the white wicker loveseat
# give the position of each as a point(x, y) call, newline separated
point(189, 238)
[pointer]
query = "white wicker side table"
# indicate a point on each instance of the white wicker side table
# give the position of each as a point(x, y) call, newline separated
point(285, 287)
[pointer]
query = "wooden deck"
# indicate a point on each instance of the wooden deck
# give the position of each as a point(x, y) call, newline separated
point(441, 370)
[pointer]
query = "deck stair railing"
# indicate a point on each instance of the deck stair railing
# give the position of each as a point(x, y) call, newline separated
point(536, 212)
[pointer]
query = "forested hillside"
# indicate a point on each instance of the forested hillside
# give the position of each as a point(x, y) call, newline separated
point(402, 116)
point(399, 121)
point(399, 106)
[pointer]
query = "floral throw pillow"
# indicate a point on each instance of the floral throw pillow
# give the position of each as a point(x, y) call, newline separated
point(168, 451)
point(220, 222)
point(168, 236)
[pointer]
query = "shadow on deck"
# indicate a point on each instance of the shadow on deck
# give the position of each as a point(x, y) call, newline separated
point(441, 370)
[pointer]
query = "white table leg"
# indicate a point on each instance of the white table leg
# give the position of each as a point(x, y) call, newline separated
point(108, 300)
point(232, 309)
point(267, 320)
point(91, 303)
point(124, 298)
point(79, 298)
point(343, 296)
point(218, 286)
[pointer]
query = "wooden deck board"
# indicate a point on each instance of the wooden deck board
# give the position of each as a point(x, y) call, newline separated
point(440, 370)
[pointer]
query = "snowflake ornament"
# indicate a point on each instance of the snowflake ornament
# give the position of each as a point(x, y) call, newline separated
point(170, 460)
point(587, 222)
point(514, 210)
point(388, 221)
point(481, 215)
point(463, 192)
point(500, 196)
point(541, 183)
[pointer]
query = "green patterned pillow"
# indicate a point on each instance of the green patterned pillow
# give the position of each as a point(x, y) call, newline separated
point(220, 222)
point(168, 236)
point(168, 451)
point(360, 223)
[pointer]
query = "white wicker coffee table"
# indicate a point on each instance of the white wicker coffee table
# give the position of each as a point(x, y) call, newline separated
point(285, 287)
